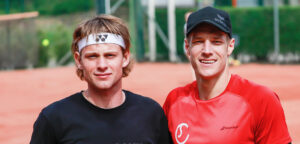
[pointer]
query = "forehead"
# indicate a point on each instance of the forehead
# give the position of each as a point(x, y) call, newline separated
point(207, 29)
point(107, 47)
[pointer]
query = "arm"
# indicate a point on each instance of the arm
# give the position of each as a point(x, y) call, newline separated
point(271, 126)
point(165, 136)
point(43, 132)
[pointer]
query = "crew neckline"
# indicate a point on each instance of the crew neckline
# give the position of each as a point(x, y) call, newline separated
point(120, 107)
point(221, 95)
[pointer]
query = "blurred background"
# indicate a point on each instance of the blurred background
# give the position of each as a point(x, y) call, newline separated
point(38, 33)
point(37, 68)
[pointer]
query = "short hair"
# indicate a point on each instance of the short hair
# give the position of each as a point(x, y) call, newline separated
point(102, 23)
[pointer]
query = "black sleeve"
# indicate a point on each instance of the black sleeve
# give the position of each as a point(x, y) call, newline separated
point(165, 136)
point(43, 132)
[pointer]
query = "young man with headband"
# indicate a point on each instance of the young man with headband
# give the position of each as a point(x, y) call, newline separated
point(220, 107)
point(104, 113)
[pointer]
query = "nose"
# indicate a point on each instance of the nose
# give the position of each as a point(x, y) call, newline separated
point(206, 50)
point(102, 64)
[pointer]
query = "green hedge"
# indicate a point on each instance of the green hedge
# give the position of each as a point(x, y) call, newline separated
point(60, 39)
point(256, 30)
point(48, 7)
point(15, 6)
point(56, 7)
point(254, 27)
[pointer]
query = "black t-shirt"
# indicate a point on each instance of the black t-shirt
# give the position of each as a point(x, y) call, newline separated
point(74, 120)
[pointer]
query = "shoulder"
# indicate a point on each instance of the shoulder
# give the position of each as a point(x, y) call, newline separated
point(144, 107)
point(179, 93)
point(268, 115)
point(137, 99)
point(62, 105)
point(182, 91)
point(247, 87)
point(258, 96)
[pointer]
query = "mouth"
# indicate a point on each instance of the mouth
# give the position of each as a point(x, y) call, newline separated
point(206, 61)
point(103, 75)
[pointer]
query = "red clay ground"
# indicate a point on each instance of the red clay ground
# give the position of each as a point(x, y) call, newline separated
point(24, 93)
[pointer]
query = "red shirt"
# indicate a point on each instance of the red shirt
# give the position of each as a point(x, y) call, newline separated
point(245, 113)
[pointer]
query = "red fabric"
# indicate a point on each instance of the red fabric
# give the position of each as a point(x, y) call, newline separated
point(244, 113)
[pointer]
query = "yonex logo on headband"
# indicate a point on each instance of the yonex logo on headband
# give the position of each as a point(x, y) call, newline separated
point(101, 38)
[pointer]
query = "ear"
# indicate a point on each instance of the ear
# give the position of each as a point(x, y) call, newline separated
point(230, 46)
point(187, 49)
point(77, 60)
point(126, 59)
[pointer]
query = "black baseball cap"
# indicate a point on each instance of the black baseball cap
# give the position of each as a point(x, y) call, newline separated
point(213, 16)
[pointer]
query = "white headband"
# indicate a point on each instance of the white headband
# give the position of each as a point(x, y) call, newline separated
point(99, 39)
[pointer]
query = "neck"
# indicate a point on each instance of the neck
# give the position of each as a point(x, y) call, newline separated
point(212, 87)
point(105, 98)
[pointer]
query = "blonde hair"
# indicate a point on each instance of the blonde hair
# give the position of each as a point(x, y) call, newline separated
point(99, 24)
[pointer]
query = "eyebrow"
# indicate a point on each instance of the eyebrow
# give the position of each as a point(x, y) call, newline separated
point(215, 36)
point(97, 53)
point(215, 33)
point(90, 52)
point(218, 36)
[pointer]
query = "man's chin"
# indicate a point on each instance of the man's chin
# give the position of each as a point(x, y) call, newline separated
point(101, 85)
point(206, 75)
point(104, 87)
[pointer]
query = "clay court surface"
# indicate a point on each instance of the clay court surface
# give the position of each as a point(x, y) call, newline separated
point(24, 93)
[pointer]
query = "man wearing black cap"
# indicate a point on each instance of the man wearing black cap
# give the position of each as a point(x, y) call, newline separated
point(220, 107)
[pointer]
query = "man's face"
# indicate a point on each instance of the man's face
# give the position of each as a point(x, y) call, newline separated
point(102, 65)
point(208, 49)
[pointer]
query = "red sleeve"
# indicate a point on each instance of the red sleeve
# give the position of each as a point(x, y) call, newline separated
point(167, 103)
point(271, 125)
point(166, 107)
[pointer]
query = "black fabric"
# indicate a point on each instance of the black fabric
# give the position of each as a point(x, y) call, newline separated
point(216, 17)
point(74, 120)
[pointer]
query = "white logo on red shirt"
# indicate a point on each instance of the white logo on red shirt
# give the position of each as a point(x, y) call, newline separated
point(179, 135)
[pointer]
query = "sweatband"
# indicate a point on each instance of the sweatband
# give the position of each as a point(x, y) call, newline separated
point(99, 39)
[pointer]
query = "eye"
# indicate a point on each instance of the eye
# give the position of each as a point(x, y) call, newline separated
point(91, 56)
point(110, 55)
point(197, 41)
point(217, 42)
